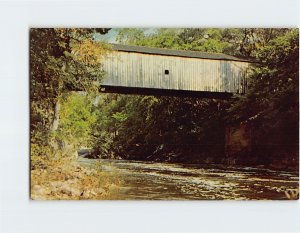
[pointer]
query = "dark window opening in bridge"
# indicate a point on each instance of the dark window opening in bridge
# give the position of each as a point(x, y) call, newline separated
point(166, 71)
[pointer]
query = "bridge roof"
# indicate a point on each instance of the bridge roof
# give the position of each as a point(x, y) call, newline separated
point(177, 53)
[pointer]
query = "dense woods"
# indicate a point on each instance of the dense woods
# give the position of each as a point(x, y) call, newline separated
point(192, 130)
point(68, 113)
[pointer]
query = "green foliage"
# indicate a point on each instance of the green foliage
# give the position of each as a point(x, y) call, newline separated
point(161, 38)
point(235, 41)
point(133, 36)
point(186, 129)
point(60, 60)
point(76, 119)
point(163, 128)
point(275, 78)
point(272, 102)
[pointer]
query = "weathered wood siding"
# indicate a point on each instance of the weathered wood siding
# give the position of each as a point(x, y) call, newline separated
point(132, 69)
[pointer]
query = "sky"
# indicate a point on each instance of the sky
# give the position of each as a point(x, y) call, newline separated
point(111, 36)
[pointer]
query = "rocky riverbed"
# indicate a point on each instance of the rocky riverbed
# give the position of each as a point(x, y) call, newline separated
point(67, 180)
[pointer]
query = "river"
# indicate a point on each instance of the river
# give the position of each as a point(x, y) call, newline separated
point(165, 181)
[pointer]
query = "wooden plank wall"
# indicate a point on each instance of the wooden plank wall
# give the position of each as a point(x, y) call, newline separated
point(131, 69)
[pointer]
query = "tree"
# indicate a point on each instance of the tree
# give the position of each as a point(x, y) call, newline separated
point(272, 101)
point(60, 60)
point(76, 119)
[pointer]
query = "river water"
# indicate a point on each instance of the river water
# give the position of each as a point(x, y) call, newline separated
point(165, 181)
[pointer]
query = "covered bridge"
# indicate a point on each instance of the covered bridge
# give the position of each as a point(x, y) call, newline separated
point(155, 71)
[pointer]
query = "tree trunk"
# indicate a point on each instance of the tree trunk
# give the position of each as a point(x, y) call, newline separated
point(53, 143)
point(55, 122)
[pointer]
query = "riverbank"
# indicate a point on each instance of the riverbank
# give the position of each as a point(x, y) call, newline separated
point(266, 161)
point(66, 179)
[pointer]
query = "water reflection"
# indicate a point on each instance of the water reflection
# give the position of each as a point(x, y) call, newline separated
point(160, 181)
